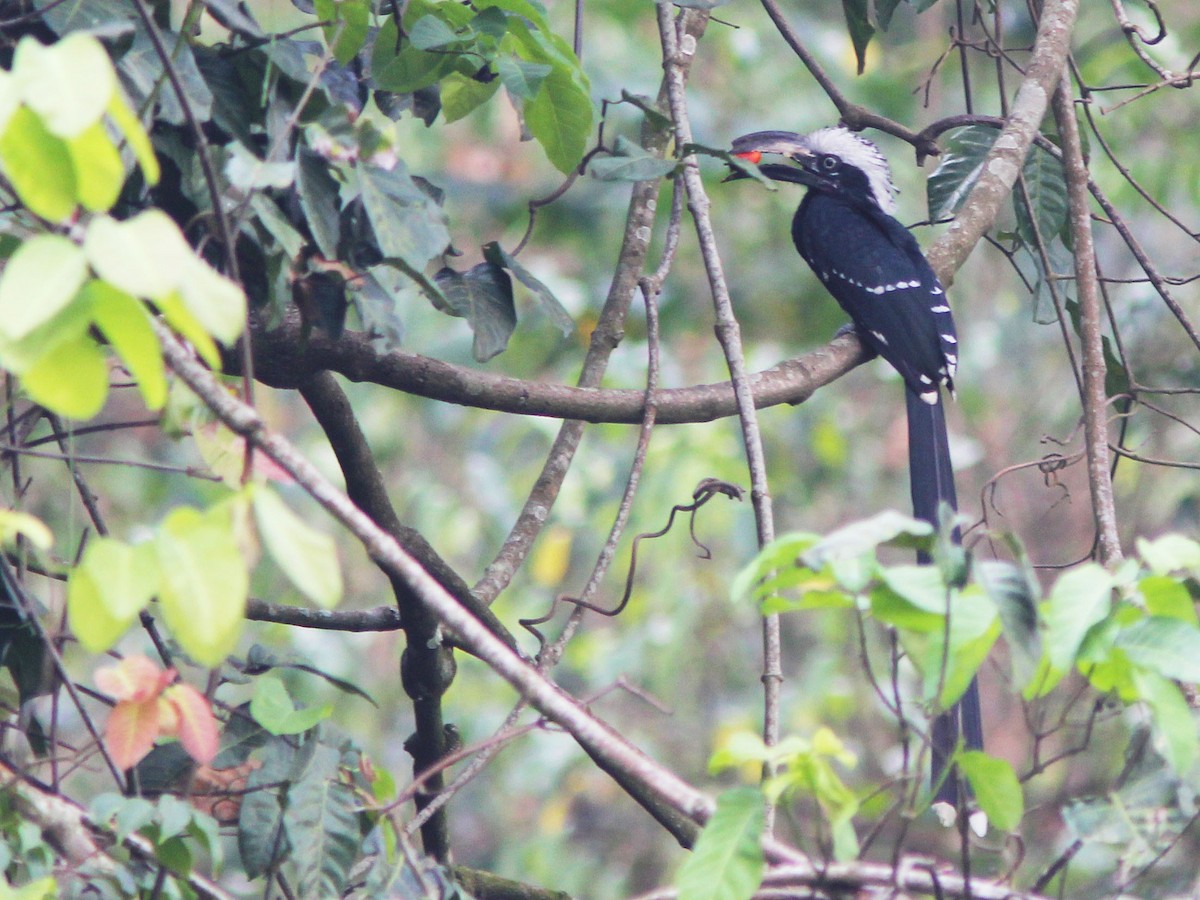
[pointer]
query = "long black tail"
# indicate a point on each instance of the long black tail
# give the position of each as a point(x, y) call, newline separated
point(932, 483)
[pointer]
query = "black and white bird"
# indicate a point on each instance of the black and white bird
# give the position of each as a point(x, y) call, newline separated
point(873, 267)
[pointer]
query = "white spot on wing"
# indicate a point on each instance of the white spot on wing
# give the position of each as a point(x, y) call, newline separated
point(930, 397)
point(949, 339)
point(879, 337)
point(939, 309)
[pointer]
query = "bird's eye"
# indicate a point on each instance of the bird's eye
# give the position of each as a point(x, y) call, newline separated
point(830, 163)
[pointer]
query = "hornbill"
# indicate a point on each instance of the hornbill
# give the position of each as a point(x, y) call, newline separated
point(875, 270)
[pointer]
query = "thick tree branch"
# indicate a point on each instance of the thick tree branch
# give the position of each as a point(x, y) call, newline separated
point(283, 360)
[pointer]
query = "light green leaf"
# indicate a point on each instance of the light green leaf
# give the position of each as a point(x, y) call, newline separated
point(1078, 600)
point(273, 709)
point(68, 84)
point(71, 379)
point(727, 860)
point(204, 581)
point(1166, 646)
point(1174, 723)
point(40, 280)
point(781, 553)
point(99, 172)
point(1014, 592)
point(996, 788)
point(111, 585)
point(38, 166)
point(308, 557)
point(125, 323)
point(865, 536)
point(215, 301)
point(146, 256)
point(1168, 596)
point(1171, 553)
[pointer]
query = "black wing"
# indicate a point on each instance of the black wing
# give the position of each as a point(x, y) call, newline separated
point(875, 270)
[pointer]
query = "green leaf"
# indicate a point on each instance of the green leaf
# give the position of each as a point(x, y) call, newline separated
point(307, 556)
point(111, 585)
point(262, 841)
point(409, 225)
point(348, 32)
point(204, 581)
point(522, 78)
point(867, 535)
point(781, 553)
point(1173, 719)
point(483, 296)
point(1015, 595)
point(273, 709)
point(323, 827)
point(560, 116)
point(1166, 646)
point(630, 163)
point(1046, 191)
point(1079, 599)
point(884, 10)
point(859, 26)
point(431, 32)
point(319, 200)
point(1171, 553)
point(99, 172)
point(996, 788)
point(1168, 596)
point(462, 95)
point(125, 324)
point(68, 84)
point(974, 628)
point(497, 255)
point(958, 169)
point(399, 66)
point(71, 379)
point(727, 861)
point(182, 321)
point(39, 281)
point(38, 166)
point(135, 135)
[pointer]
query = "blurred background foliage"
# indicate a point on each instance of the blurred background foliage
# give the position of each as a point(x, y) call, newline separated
point(542, 812)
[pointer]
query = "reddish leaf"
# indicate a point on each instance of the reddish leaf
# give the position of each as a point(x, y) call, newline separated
point(194, 722)
point(134, 678)
point(130, 732)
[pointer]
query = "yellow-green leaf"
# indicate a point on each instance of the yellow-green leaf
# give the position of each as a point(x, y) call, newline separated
point(180, 318)
point(71, 379)
point(131, 127)
point(99, 172)
point(217, 303)
point(204, 582)
point(14, 524)
point(38, 166)
point(126, 325)
point(111, 585)
point(39, 281)
point(307, 556)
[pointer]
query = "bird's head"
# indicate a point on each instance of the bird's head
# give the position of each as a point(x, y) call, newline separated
point(833, 160)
